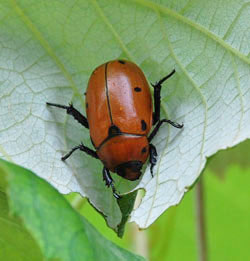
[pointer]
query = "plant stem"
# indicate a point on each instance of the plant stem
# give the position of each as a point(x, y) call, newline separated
point(200, 221)
point(78, 202)
point(140, 242)
point(140, 237)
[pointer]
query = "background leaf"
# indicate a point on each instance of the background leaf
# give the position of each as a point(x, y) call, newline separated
point(49, 49)
point(226, 215)
point(14, 238)
point(60, 232)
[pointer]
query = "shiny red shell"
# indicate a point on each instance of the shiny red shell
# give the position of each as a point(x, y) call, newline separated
point(119, 113)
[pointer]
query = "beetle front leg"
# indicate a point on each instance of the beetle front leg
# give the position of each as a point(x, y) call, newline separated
point(109, 181)
point(72, 111)
point(83, 148)
point(152, 157)
point(157, 97)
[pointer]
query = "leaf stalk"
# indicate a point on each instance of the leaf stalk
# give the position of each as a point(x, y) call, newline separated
point(201, 222)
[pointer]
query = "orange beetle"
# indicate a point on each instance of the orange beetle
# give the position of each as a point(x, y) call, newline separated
point(119, 117)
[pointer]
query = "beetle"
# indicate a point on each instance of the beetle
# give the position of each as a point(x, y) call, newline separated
point(119, 118)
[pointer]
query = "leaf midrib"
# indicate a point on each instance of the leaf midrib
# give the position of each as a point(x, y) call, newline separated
point(113, 31)
point(198, 27)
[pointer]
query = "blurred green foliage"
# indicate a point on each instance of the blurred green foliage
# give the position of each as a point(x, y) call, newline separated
point(36, 218)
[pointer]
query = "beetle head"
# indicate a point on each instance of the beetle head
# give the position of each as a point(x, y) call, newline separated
point(130, 170)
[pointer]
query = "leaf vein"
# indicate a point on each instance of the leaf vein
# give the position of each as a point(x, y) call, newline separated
point(230, 28)
point(45, 44)
point(240, 95)
point(198, 27)
point(112, 29)
point(205, 113)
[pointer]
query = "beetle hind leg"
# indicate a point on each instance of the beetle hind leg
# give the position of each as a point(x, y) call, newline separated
point(109, 182)
point(159, 123)
point(152, 158)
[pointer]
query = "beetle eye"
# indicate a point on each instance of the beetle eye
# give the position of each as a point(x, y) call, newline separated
point(121, 61)
point(137, 89)
point(143, 125)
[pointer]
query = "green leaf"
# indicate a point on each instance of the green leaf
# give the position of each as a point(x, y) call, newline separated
point(50, 48)
point(126, 204)
point(15, 241)
point(236, 155)
point(227, 215)
point(59, 231)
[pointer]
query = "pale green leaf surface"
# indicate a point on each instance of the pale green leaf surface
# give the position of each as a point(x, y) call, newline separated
point(48, 50)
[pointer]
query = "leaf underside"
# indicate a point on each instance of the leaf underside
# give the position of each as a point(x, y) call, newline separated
point(48, 51)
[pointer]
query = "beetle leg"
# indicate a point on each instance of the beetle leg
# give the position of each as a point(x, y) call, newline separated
point(72, 111)
point(109, 181)
point(157, 97)
point(81, 147)
point(152, 157)
point(157, 127)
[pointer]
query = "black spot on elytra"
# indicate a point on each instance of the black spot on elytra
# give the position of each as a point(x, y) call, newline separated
point(144, 150)
point(87, 105)
point(143, 125)
point(137, 89)
point(121, 61)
